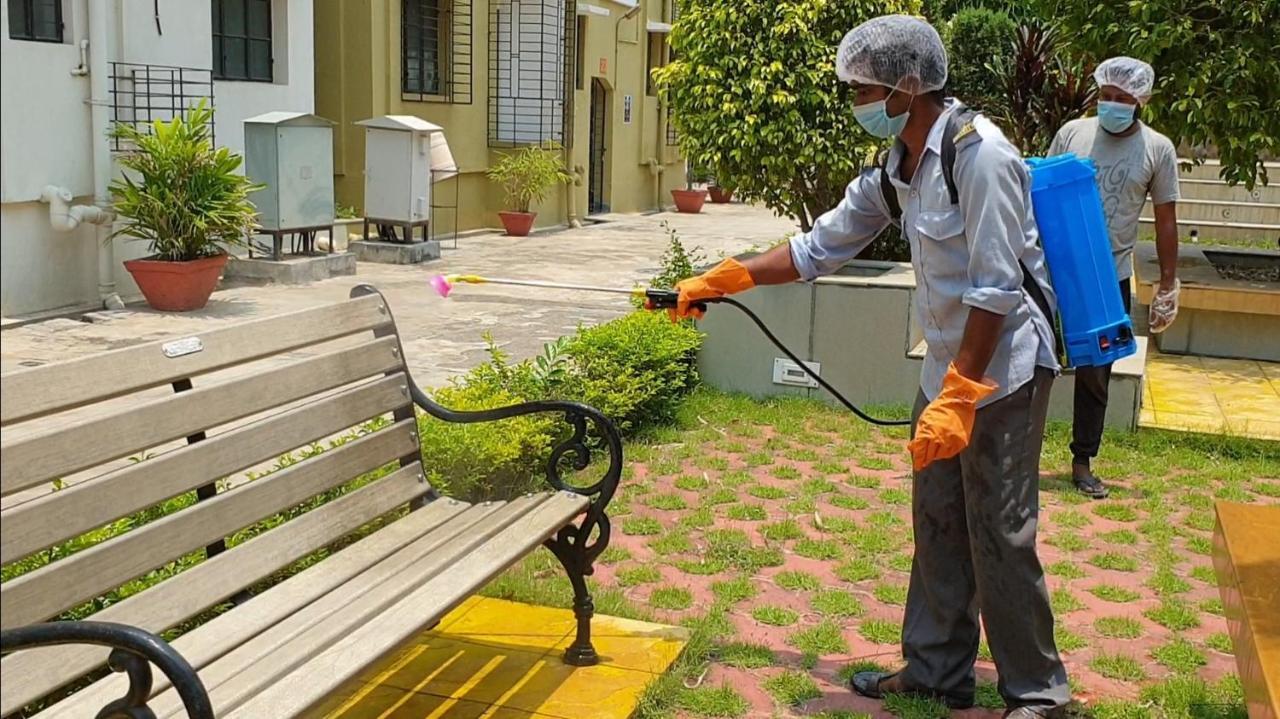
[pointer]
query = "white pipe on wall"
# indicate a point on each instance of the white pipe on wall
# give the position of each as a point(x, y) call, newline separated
point(65, 217)
point(103, 29)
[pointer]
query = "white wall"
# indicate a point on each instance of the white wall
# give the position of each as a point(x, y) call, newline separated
point(46, 133)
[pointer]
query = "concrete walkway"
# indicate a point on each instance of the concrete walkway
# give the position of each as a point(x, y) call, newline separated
point(442, 337)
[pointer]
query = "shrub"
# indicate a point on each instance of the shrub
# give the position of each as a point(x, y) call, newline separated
point(1042, 87)
point(678, 262)
point(973, 37)
point(528, 175)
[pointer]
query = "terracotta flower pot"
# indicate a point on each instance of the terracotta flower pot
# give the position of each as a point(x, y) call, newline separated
point(518, 224)
point(720, 195)
point(689, 201)
point(177, 286)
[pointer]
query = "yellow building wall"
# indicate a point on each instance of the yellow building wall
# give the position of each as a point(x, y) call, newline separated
point(358, 76)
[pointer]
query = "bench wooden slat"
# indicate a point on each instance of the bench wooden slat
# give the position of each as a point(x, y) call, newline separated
point(44, 457)
point(82, 507)
point(307, 685)
point(26, 676)
point(49, 590)
point(74, 383)
point(279, 650)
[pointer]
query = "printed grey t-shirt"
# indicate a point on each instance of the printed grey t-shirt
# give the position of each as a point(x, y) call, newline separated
point(1129, 169)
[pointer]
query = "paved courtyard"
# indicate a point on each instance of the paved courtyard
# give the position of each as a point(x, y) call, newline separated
point(443, 337)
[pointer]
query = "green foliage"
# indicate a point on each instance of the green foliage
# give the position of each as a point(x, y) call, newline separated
point(678, 262)
point(1042, 86)
point(792, 688)
point(973, 37)
point(746, 656)
point(1216, 67)
point(821, 639)
point(755, 99)
point(527, 175)
point(180, 195)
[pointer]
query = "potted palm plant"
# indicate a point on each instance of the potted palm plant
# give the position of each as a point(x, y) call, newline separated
point(527, 176)
point(185, 199)
point(690, 200)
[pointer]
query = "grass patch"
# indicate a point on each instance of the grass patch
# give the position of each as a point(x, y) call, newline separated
point(1070, 519)
point(1180, 656)
point(720, 702)
point(732, 591)
point(1116, 512)
point(896, 497)
point(672, 543)
point(691, 483)
point(1113, 593)
point(792, 688)
point(881, 631)
point(765, 491)
point(1067, 640)
point(774, 616)
point(797, 581)
point(746, 656)
point(786, 473)
point(848, 501)
point(836, 525)
point(698, 518)
point(643, 574)
point(821, 639)
point(844, 674)
point(825, 549)
point(613, 555)
point(747, 513)
point(1067, 542)
point(1118, 666)
point(1200, 545)
point(1114, 561)
point(702, 567)
point(671, 598)
point(1219, 642)
point(857, 570)
point(836, 603)
point(1165, 583)
point(875, 540)
point(1120, 536)
point(782, 531)
point(817, 486)
point(719, 495)
point(803, 505)
point(900, 562)
point(1204, 573)
point(987, 696)
point(1212, 606)
point(895, 594)
point(641, 526)
point(1065, 569)
point(1118, 627)
point(1173, 615)
point(915, 706)
point(1064, 602)
point(862, 481)
point(875, 463)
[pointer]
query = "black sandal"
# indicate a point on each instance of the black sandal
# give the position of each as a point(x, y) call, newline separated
point(867, 684)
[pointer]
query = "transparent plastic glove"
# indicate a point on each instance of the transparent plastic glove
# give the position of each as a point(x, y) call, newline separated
point(727, 278)
point(946, 424)
point(1164, 308)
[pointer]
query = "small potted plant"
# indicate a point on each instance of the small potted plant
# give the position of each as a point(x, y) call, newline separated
point(720, 195)
point(527, 176)
point(690, 200)
point(185, 199)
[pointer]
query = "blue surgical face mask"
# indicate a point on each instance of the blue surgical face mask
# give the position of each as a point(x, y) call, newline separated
point(1115, 117)
point(874, 118)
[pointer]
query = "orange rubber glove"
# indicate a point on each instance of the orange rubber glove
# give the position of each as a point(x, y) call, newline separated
point(946, 424)
point(727, 278)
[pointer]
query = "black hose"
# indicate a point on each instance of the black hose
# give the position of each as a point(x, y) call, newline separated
point(666, 299)
point(764, 329)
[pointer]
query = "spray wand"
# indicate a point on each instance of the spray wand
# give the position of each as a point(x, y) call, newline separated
point(658, 299)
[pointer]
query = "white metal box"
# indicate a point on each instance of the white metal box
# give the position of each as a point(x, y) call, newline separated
point(292, 154)
point(400, 153)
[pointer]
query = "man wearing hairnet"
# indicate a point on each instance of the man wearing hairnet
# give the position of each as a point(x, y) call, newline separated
point(1133, 162)
point(984, 386)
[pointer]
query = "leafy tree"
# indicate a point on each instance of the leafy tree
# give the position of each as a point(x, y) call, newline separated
point(1217, 68)
point(976, 37)
point(1043, 88)
point(756, 100)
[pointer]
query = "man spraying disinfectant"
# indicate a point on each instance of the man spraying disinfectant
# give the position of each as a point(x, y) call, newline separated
point(984, 301)
point(1133, 162)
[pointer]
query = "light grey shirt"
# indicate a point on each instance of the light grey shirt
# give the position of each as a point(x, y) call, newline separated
point(1128, 170)
point(964, 255)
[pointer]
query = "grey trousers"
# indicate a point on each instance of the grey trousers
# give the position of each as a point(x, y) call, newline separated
point(975, 531)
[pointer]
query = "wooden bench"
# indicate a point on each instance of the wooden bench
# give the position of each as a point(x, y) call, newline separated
point(271, 641)
point(1246, 558)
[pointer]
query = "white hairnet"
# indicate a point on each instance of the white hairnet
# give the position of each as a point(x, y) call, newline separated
point(898, 51)
point(1129, 74)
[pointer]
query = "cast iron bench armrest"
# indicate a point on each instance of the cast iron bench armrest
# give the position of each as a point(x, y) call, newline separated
point(133, 651)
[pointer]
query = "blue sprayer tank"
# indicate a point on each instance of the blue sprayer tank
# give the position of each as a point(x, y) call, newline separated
point(1073, 231)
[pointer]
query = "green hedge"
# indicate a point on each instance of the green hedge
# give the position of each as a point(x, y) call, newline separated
point(634, 369)
point(974, 37)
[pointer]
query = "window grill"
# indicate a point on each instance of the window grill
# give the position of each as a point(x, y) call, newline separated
point(242, 40)
point(673, 139)
point(141, 94)
point(435, 50)
point(531, 66)
point(38, 20)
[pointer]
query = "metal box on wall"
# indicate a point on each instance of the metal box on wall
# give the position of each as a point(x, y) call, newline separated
point(400, 154)
point(292, 154)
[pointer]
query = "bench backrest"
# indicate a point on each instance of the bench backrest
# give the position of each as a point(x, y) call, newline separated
point(141, 461)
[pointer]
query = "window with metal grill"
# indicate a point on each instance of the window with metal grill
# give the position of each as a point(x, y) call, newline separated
point(422, 41)
point(39, 20)
point(242, 40)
